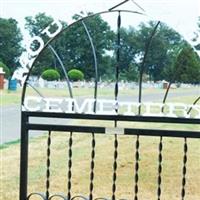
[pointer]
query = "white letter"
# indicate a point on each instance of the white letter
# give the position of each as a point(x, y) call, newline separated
point(32, 103)
point(85, 103)
point(51, 35)
point(37, 51)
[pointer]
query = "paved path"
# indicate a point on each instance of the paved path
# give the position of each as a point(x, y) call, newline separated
point(10, 115)
point(10, 123)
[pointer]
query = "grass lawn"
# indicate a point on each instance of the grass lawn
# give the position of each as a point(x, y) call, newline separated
point(172, 161)
point(10, 97)
point(171, 176)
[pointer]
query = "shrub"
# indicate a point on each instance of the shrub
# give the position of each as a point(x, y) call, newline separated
point(5, 69)
point(50, 75)
point(75, 75)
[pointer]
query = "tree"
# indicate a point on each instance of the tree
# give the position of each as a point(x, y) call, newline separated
point(75, 75)
point(10, 43)
point(50, 75)
point(187, 66)
point(73, 46)
point(196, 39)
point(162, 51)
point(35, 25)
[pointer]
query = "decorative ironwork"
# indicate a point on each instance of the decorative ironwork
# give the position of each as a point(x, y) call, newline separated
point(137, 158)
point(92, 165)
point(26, 125)
point(48, 165)
point(69, 184)
point(184, 169)
point(159, 168)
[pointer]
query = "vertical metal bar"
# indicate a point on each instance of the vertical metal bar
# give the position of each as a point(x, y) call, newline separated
point(23, 158)
point(185, 149)
point(116, 99)
point(118, 57)
point(69, 166)
point(48, 165)
point(114, 187)
point(137, 157)
point(92, 164)
point(159, 169)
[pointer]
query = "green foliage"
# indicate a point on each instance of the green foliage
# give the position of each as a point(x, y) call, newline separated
point(162, 51)
point(73, 45)
point(50, 75)
point(5, 69)
point(187, 66)
point(37, 23)
point(197, 35)
point(10, 43)
point(74, 48)
point(131, 74)
point(75, 75)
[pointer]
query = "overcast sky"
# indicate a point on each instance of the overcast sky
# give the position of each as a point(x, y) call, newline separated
point(179, 14)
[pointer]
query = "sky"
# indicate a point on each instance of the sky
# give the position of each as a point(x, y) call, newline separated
point(181, 15)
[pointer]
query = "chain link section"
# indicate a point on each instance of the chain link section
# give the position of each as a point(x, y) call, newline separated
point(48, 165)
point(185, 149)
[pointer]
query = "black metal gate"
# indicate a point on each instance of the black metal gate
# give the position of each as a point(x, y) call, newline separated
point(93, 130)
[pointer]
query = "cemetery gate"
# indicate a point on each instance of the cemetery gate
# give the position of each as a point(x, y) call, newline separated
point(112, 117)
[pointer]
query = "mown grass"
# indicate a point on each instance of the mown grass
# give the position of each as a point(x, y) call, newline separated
point(8, 144)
point(171, 175)
point(10, 97)
point(14, 97)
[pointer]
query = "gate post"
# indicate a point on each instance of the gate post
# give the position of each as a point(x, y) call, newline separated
point(23, 158)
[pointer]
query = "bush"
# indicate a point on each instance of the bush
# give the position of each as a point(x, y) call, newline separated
point(75, 75)
point(50, 75)
point(5, 69)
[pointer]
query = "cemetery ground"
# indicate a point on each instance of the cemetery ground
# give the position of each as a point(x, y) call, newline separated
point(11, 98)
point(148, 172)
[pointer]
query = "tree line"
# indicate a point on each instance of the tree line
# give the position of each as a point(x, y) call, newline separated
point(169, 56)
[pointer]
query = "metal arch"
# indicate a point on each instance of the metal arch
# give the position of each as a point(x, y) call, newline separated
point(47, 44)
point(142, 68)
point(95, 65)
point(63, 68)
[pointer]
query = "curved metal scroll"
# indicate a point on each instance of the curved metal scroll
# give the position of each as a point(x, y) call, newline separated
point(142, 68)
point(95, 65)
point(36, 194)
point(63, 68)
